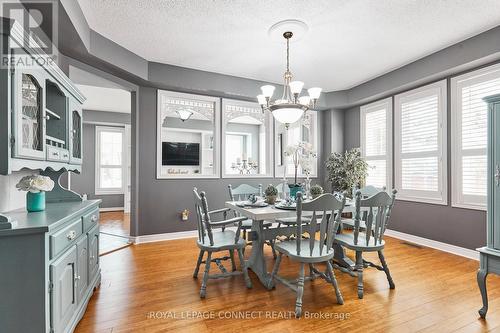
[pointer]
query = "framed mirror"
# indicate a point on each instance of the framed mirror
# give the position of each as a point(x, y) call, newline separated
point(188, 136)
point(304, 130)
point(247, 135)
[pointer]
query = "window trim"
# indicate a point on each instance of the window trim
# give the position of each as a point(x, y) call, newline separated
point(441, 196)
point(269, 132)
point(98, 189)
point(376, 106)
point(457, 198)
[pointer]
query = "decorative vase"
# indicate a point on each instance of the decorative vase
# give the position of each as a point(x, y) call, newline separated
point(271, 199)
point(308, 187)
point(294, 188)
point(35, 202)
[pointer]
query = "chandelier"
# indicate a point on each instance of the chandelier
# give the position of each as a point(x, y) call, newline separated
point(290, 107)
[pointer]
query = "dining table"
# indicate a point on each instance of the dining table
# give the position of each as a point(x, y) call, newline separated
point(259, 235)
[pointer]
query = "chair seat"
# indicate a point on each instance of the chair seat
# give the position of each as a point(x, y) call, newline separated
point(347, 240)
point(293, 220)
point(290, 249)
point(223, 240)
point(247, 224)
point(350, 223)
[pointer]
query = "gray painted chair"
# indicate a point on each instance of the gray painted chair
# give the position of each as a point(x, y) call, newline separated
point(241, 193)
point(366, 192)
point(311, 251)
point(378, 209)
point(211, 241)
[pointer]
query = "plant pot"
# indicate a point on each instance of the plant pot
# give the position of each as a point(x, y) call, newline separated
point(271, 199)
point(35, 202)
point(294, 188)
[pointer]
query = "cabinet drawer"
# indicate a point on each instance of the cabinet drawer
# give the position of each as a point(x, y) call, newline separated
point(64, 237)
point(53, 153)
point(90, 219)
point(64, 155)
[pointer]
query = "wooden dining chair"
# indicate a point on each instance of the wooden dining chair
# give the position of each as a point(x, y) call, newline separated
point(241, 193)
point(370, 238)
point(313, 250)
point(211, 241)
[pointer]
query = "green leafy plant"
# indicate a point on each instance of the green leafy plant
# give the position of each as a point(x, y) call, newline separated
point(316, 190)
point(271, 190)
point(346, 170)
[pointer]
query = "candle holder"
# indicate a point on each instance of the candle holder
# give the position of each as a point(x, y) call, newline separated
point(244, 166)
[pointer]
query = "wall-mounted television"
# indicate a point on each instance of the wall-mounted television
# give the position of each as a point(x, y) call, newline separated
point(180, 153)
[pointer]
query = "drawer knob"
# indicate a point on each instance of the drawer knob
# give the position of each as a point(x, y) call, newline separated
point(71, 235)
point(93, 218)
point(77, 277)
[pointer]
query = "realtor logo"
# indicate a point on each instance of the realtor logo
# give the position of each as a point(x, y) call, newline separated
point(38, 19)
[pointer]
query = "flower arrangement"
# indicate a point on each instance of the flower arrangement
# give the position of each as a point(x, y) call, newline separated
point(346, 170)
point(302, 155)
point(271, 193)
point(316, 191)
point(35, 187)
point(35, 184)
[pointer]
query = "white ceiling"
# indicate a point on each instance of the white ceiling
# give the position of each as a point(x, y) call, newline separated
point(348, 42)
point(105, 99)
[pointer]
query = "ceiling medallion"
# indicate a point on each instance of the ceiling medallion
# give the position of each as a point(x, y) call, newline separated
point(290, 107)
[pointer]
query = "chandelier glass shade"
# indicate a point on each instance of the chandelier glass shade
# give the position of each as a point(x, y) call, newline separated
point(291, 106)
point(184, 114)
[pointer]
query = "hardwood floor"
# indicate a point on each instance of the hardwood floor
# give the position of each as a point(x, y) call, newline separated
point(114, 231)
point(149, 288)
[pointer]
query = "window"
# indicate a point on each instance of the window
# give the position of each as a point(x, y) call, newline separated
point(305, 130)
point(247, 135)
point(469, 135)
point(188, 136)
point(376, 142)
point(420, 144)
point(110, 148)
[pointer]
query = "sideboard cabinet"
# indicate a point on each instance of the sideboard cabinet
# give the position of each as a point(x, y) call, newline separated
point(40, 108)
point(490, 254)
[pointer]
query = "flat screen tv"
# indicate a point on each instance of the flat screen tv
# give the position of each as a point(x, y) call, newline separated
point(180, 153)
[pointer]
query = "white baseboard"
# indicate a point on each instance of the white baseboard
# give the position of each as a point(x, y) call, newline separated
point(163, 237)
point(111, 209)
point(459, 251)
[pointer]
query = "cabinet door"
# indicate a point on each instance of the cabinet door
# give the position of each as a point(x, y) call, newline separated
point(82, 271)
point(494, 184)
point(93, 239)
point(75, 135)
point(29, 113)
point(63, 300)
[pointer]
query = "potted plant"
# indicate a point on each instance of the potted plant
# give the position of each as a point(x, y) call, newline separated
point(346, 170)
point(316, 191)
point(271, 193)
point(301, 155)
point(35, 186)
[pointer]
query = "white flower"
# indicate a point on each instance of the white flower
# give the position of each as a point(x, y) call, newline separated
point(35, 183)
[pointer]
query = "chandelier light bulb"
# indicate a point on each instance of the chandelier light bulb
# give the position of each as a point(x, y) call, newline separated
point(314, 92)
point(296, 87)
point(261, 99)
point(304, 100)
point(267, 91)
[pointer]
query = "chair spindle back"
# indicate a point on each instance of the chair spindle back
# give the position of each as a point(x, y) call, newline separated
point(330, 209)
point(201, 207)
point(377, 216)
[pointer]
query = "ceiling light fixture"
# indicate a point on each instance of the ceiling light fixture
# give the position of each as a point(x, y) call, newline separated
point(290, 107)
point(184, 114)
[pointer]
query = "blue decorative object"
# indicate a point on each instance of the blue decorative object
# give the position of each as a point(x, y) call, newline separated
point(35, 202)
point(294, 189)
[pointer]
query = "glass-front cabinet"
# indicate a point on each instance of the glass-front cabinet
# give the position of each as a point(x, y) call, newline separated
point(75, 134)
point(28, 138)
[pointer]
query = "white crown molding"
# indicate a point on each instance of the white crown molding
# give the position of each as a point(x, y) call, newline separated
point(453, 249)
